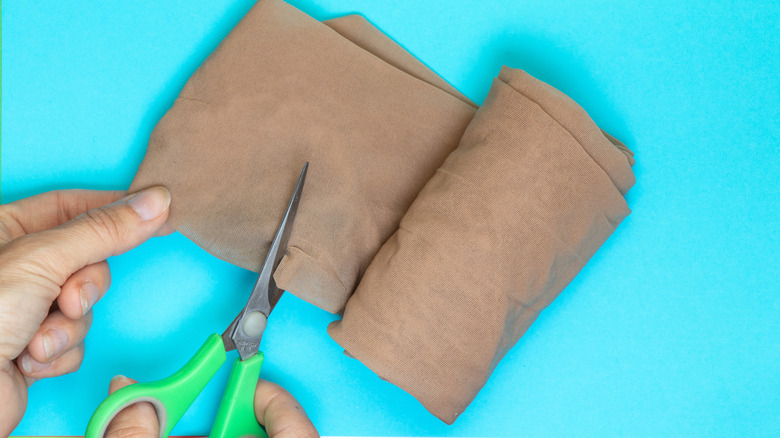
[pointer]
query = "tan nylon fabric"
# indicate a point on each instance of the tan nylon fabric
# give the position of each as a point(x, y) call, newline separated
point(513, 214)
point(530, 193)
point(282, 89)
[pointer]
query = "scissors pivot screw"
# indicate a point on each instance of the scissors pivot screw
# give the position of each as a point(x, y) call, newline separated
point(172, 396)
point(254, 324)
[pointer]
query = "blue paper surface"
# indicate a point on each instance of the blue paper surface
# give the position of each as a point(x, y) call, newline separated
point(673, 328)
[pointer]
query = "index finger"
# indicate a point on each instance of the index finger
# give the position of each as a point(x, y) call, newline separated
point(52, 209)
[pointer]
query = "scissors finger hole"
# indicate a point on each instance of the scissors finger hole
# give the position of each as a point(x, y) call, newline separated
point(142, 417)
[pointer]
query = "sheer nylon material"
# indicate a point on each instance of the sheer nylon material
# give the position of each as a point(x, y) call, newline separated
point(464, 257)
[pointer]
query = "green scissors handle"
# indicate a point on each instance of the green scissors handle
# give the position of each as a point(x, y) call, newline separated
point(172, 396)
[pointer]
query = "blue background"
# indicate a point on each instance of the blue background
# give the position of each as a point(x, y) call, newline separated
point(673, 328)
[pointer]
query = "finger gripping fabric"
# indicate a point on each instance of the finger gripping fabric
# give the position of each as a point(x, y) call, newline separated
point(513, 214)
point(282, 89)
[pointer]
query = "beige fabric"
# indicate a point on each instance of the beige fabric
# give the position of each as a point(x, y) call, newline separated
point(282, 89)
point(531, 192)
point(510, 217)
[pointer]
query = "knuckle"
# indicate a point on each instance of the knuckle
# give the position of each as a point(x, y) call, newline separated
point(105, 224)
point(71, 206)
point(59, 200)
point(9, 225)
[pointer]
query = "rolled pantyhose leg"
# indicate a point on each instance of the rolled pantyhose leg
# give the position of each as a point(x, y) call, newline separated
point(514, 213)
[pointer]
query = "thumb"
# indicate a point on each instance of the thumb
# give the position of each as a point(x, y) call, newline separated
point(97, 234)
point(135, 421)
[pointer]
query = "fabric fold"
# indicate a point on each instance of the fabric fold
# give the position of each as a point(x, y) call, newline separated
point(282, 89)
point(454, 227)
point(514, 213)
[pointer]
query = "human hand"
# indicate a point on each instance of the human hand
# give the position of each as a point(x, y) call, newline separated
point(277, 410)
point(53, 249)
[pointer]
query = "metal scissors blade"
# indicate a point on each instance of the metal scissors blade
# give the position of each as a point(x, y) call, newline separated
point(246, 331)
point(172, 396)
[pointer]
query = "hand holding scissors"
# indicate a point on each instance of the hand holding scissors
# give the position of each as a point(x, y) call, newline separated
point(276, 409)
point(172, 396)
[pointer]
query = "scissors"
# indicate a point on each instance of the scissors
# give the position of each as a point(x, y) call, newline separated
point(172, 396)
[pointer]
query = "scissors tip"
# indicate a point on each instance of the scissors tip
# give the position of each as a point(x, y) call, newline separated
point(265, 293)
point(303, 172)
point(293, 205)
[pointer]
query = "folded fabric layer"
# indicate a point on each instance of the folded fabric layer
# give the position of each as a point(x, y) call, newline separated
point(282, 89)
point(511, 216)
point(532, 191)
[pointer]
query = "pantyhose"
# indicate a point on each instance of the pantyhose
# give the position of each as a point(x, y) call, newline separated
point(470, 253)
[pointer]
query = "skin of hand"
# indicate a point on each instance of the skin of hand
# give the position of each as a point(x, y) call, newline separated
point(277, 410)
point(53, 251)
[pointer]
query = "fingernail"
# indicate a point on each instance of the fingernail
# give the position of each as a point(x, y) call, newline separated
point(54, 341)
point(30, 365)
point(118, 377)
point(89, 295)
point(150, 203)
